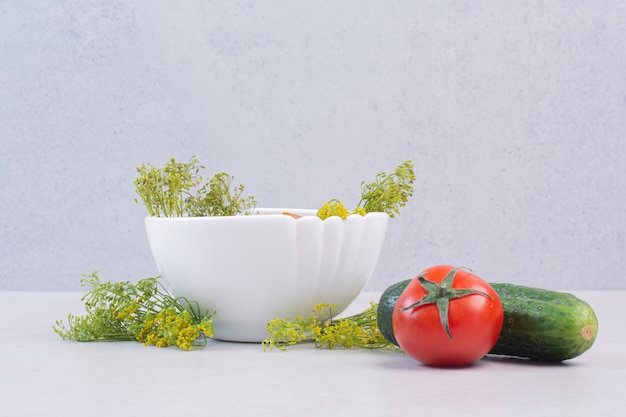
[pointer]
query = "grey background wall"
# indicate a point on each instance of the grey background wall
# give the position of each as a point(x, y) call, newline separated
point(514, 114)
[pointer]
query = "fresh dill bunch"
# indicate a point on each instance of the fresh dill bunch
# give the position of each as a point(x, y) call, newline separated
point(164, 190)
point(177, 189)
point(357, 331)
point(216, 198)
point(388, 193)
point(145, 312)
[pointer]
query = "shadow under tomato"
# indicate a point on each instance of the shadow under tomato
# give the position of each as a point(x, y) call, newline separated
point(400, 360)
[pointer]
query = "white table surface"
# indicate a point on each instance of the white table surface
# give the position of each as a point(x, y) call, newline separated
point(41, 374)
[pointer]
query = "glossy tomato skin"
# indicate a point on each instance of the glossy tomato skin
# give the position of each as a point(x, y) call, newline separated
point(475, 321)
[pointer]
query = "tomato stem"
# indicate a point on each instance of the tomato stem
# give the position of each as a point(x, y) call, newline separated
point(441, 294)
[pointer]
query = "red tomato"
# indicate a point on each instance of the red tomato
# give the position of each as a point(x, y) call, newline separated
point(464, 333)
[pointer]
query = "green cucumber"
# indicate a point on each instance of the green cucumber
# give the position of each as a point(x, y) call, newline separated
point(538, 324)
point(544, 325)
point(385, 308)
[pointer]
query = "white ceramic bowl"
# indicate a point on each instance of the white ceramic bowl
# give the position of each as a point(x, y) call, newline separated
point(251, 269)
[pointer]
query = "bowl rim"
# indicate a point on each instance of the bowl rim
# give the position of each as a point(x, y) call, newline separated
point(264, 213)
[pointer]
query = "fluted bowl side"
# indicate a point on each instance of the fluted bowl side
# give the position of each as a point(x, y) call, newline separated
point(251, 269)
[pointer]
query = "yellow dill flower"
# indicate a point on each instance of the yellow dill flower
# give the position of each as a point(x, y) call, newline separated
point(128, 312)
point(333, 208)
point(149, 340)
point(206, 327)
point(186, 336)
point(319, 308)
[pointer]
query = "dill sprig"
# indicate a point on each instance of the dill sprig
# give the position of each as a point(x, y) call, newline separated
point(177, 189)
point(164, 190)
point(216, 198)
point(388, 193)
point(356, 331)
point(145, 312)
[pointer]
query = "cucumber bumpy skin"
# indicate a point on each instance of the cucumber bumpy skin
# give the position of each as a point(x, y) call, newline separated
point(544, 325)
point(538, 324)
